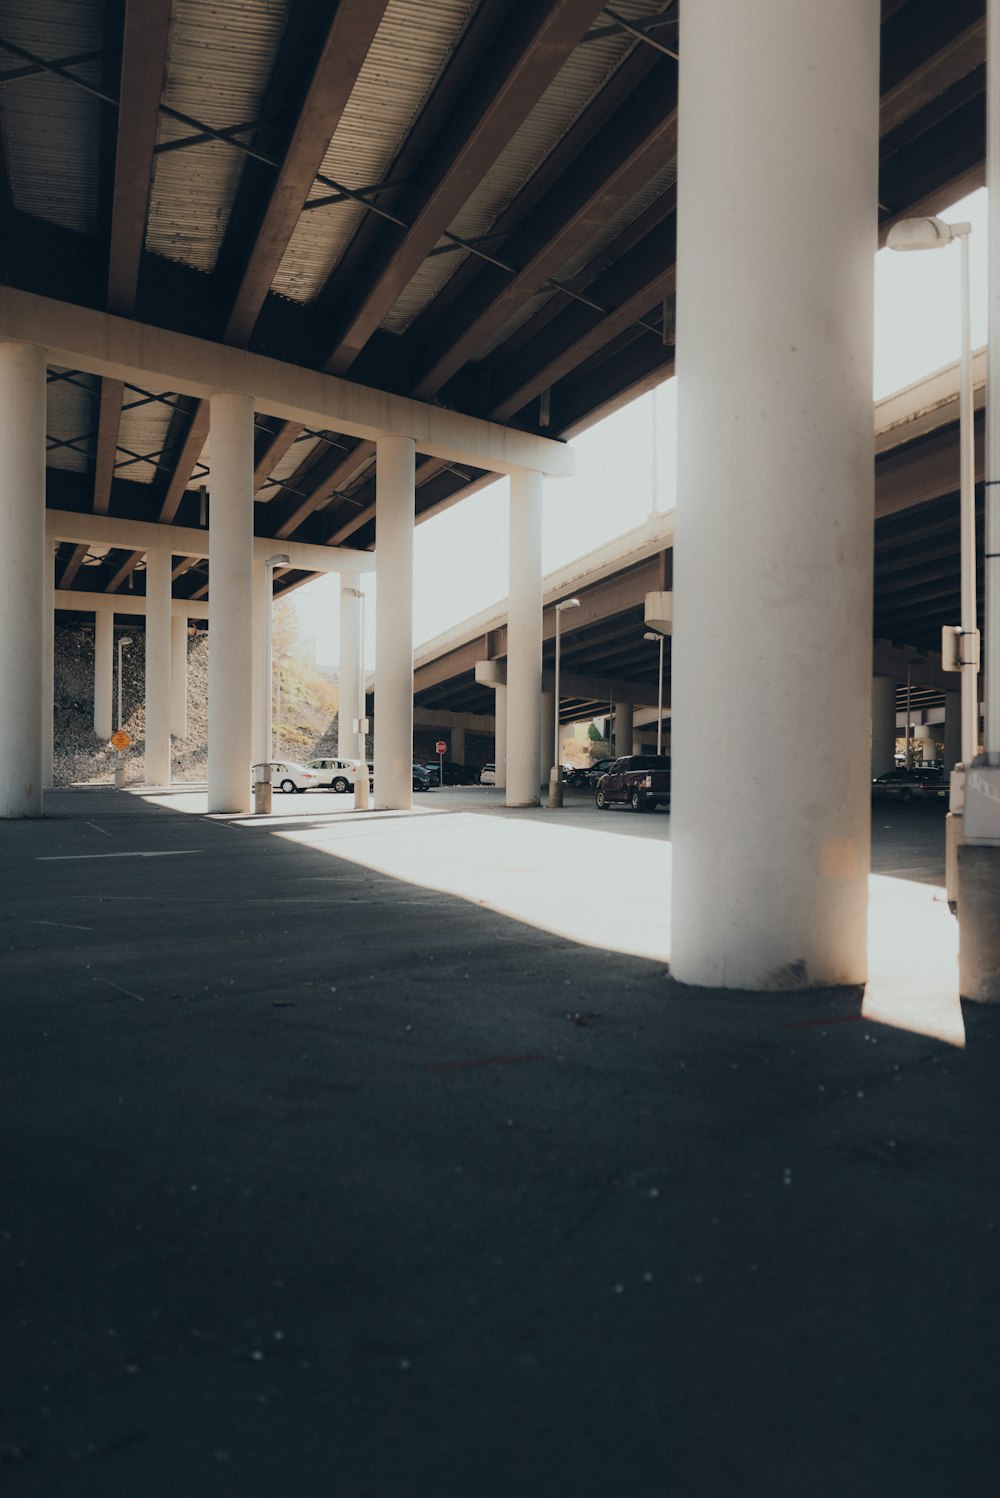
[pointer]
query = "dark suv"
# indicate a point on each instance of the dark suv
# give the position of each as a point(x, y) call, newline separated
point(928, 784)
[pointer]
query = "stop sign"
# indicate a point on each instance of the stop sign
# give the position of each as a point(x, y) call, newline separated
point(441, 747)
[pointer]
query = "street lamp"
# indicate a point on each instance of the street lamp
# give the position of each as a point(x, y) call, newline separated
point(659, 708)
point(934, 234)
point(555, 784)
point(280, 559)
point(123, 643)
point(361, 787)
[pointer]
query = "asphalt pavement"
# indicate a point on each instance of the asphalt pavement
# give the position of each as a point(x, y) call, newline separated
point(323, 1182)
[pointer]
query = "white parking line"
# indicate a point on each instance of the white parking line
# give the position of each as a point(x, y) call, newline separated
point(81, 857)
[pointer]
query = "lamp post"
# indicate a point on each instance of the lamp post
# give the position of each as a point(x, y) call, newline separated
point(123, 644)
point(362, 799)
point(555, 783)
point(280, 559)
point(934, 234)
point(659, 700)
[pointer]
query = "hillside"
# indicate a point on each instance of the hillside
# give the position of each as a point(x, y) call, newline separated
point(308, 711)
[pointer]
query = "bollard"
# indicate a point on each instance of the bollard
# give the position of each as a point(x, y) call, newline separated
point(262, 790)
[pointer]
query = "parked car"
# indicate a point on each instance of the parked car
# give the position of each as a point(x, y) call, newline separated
point(488, 775)
point(928, 784)
point(589, 774)
point(421, 779)
point(338, 774)
point(433, 771)
point(641, 781)
point(289, 775)
point(456, 774)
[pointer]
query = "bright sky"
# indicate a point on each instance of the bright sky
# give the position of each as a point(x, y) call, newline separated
point(460, 556)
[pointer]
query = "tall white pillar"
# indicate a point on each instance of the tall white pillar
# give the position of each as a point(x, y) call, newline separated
point(952, 730)
point(48, 685)
point(524, 640)
point(458, 745)
point(623, 728)
point(24, 556)
point(156, 765)
point(178, 676)
point(260, 700)
point(500, 737)
point(547, 735)
point(351, 606)
point(883, 724)
point(773, 585)
point(104, 658)
point(230, 574)
point(394, 495)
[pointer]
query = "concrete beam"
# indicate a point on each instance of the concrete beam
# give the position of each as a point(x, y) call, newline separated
point(78, 601)
point(121, 349)
point(571, 684)
point(439, 717)
point(146, 535)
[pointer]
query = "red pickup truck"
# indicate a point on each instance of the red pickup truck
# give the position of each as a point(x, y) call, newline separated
point(641, 781)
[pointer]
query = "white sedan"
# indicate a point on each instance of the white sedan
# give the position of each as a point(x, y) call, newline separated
point(289, 775)
point(338, 774)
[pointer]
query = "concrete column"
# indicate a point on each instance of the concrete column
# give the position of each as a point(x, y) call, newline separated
point(260, 705)
point(500, 736)
point(623, 729)
point(156, 765)
point(548, 735)
point(952, 730)
point(458, 745)
point(104, 660)
point(524, 640)
point(230, 573)
point(178, 676)
point(394, 495)
point(350, 664)
point(883, 724)
point(48, 685)
point(23, 559)
point(773, 587)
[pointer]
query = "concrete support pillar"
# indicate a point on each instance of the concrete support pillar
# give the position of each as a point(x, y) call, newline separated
point(952, 730)
point(883, 724)
point(178, 676)
point(458, 745)
point(638, 747)
point(156, 766)
point(622, 729)
point(230, 572)
point(24, 556)
point(351, 607)
point(524, 640)
point(773, 592)
point(500, 736)
point(394, 497)
point(104, 662)
point(548, 735)
point(260, 705)
point(48, 685)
